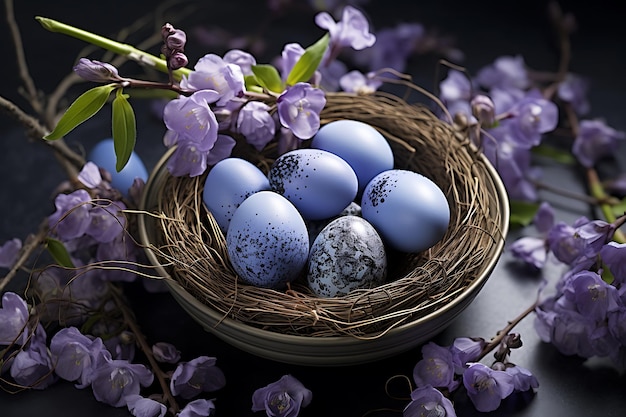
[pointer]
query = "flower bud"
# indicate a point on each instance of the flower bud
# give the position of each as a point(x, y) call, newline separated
point(176, 40)
point(166, 30)
point(96, 71)
point(483, 110)
point(177, 60)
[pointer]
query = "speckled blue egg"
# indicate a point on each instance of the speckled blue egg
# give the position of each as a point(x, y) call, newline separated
point(228, 184)
point(348, 254)
point(267, 240)
point(363, 147)
point(410, 211)
point(103, 155)
point(316, 226)
point(319, 183)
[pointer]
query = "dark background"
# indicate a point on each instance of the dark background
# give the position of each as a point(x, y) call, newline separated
point(483, 31)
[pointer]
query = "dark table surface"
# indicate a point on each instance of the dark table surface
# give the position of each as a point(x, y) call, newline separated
point(569, 386)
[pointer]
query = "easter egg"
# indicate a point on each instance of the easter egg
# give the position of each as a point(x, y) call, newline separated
point(228, 184)
point(359, 144)
point(103, 155)
point(347, 254)
point(319, 183)
point(410, 211)
point(267, 240)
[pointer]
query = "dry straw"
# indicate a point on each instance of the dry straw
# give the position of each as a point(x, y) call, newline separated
point(193, 248)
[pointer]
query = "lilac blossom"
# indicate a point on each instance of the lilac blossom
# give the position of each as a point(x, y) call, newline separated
point(428, 401)
point(72, 216)
point(144, 407)
point(594, 141)
point(211, 72)
point(90, 175)
point(119, 256)
point(613, 255)
point(76, 355)
point(32, 366)
point(456, 86)
point(13, 319)
point(357, 82)
point(299, 109)
point(531, 250)
point(436, 368)
point(543, 220)
point(222, 149)
point(107, 221)
point(505, 72)
point(591, 296)
point(282, 398)
point(573, 90)
point(579, 244)
point(197, 408)
point(114, 380)
point(192, 119)
point(523, 379)
point(196, 376)
point(9, 252)
point(243, 59)
point(328, 77)
point(165, 352)
point(96, 71)
point(290, 55)
point(466, 349)
point(487, 387)
point(532, 116)
point(256, 124)
point(187, 159)
point(352, 31)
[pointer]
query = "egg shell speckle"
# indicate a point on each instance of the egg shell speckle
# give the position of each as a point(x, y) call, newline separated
point(319, 183)
point(348, 254)
point(267, 241)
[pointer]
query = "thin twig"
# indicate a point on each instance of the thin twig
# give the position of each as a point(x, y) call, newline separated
point(32, 243)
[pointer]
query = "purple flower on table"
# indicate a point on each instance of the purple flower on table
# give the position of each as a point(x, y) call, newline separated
point(76, 355)
point(196, 376)
point(299, 109)
point(96, 71)
point(32, 366)
point(592, 297)
point(487, 387)
point(256, 124)
point(505, 72)
point(595, 140)
point(523, 379)
point(573, 90)
point(531, 117)
point(543, 220)
point(211, 72)
point(243, 59)
point(428, 401)
point(114, 380)
point(436, 367)
point(531, 250)
point(144, 407)
point(357, 82)
point(72, 216)
point(9, 251)
point(579, 244)
point(197, 408)
point(165, 352)
point(613, 255)
point(464, 350)
point(282, 398)
point(13, 319)
point(352, 31)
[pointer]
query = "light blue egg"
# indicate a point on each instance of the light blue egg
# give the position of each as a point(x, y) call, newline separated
point(228, 184)
point(319, 183)
point(359, 144)
point(267, 241)
point(103, 155)
point(408, 209)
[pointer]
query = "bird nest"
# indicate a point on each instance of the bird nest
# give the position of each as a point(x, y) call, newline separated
point(192, 249)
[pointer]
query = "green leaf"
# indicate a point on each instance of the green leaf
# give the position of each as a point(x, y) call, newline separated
point(557, 155)
point(59, 252)
point(124, 129)
point(619, 209)
point(84, 107)
point(522, 213)
point(306, 66)
point(267, 76)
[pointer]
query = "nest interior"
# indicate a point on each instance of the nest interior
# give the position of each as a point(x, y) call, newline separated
point(191, 247)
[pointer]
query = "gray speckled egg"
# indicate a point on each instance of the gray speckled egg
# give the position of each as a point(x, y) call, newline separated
point(348, 254)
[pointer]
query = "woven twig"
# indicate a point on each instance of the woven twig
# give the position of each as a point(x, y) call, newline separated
point(193, 247)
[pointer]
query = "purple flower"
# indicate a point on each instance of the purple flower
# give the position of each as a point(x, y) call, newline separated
point(72, 216)
point(392, 48)
point(165, 352)
point(282, 398)
point(436, 368)
point(613, 254)
point(483, 109)
point(197, 408)
point(544, 217)
point(192, 119)
point(573, 90)
point(617, 324)
point(32, 366)
point(243, 59)
point(90, 175)
point(595, 140)
point(114, 380)
point(464, 350)
point(357, 82)
point(352, 30)
point(9, 251)
point(256, 124)
point(592, 297)
point(187, 159)
point(428, 401)
point(505, 72)
point(578, 245)
point(196, 376)
point(211, 72)
point(531, 250)
point(13, 319)
point(290, 55)
point(76, 355)
point(299, 109)
point(456, 86)
point(107, 221)
point(533, 116)
point(523, 379)
point(487, 387)
point(222, 149)
point(144, 407)
point(96, 71)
